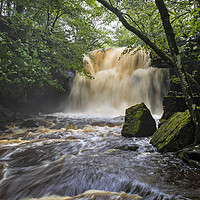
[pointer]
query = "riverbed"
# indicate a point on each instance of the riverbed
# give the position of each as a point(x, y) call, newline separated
point(69, 154)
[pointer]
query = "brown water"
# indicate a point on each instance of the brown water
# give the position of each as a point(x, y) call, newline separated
point(68, 155)
point(119, 81)
point(84, 156)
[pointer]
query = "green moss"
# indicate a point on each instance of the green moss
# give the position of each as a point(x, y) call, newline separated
point(161, 121)
point(134, 121)
point(133, 116)
point(175, 133)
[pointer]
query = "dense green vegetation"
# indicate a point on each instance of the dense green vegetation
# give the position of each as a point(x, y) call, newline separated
point(144, 15)
point(40, 41)
point(167, 45)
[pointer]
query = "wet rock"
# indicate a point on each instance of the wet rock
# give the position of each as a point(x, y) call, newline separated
point(138, 122)
point(129, 147)
point(191, 155)
point(175, 102)
point(3, 128)
point(94, 195)
point(2, 170)
point(71, 126)
point(175, 134)
point(6, 117)
point(30, 123)
point(45, 123)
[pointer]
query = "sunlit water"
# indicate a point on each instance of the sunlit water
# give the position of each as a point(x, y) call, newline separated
point(71, 154)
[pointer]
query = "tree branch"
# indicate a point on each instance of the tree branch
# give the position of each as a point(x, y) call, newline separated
point(133, 21)
point(56, 18)
point(137, 32)
point(48, 17)
point(167, 26)
point(145, 39)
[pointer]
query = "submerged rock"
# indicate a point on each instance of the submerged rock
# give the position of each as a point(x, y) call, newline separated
point(30, 123)
point(129, 147)
point(94, 195)
point(191, 155)
point(175, 134)
point(138, 122)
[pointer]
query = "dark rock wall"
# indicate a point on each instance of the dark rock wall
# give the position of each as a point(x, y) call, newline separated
point(175, 102)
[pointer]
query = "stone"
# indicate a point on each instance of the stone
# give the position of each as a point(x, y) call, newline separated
point(6, 116)
point(191, 155)
point(71, 127)
point(3, 128)
point(94, 195)
point(138, 122)
point(30, 123)
point(175, 102)
point(129, 147)
point(175, 133)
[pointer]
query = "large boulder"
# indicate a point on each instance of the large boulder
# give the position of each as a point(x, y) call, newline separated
point(175, 133)
point(138, 122)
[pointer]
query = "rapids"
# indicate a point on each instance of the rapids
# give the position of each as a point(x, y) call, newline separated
point(83, 156)
point(67, 155)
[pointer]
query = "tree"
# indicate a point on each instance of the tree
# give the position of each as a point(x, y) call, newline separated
point(173, 58)
point(40, 41)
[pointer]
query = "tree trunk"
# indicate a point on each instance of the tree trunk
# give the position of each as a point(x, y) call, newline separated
point(145, 39)
point(180, 68)
point(1, 7)
point(8, 9)
point(19, 7)
point(174, 62)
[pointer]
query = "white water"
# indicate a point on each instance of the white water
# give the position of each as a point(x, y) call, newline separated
point(73, 154)
point(120, 81)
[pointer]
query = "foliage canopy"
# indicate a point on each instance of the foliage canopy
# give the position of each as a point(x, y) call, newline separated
point(41, 41)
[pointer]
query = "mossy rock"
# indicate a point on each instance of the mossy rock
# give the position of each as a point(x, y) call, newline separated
point(174, 134)
point(138, 122)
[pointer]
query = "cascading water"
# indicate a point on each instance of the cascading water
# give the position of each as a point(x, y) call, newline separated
point(120, 80)
point(68, 156)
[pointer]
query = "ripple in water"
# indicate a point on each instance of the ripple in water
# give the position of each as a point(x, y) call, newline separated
point(88, 153)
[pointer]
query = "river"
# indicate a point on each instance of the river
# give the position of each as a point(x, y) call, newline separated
point(69, 154)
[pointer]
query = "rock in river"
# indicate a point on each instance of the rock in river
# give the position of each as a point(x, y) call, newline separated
point(138, 122)
point(191, 155)
point(175, 134)
point(94, 195)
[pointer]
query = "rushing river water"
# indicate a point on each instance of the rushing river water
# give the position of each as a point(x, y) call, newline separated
point(67, 155)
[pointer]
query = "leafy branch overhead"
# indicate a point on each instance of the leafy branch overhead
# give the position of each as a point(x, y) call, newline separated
point(172, 56)
point(42, 40)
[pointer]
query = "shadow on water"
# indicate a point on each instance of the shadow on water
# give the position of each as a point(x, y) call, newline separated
point(71, 160)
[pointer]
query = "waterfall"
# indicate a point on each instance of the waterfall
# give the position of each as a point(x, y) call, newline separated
point(120, 80)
